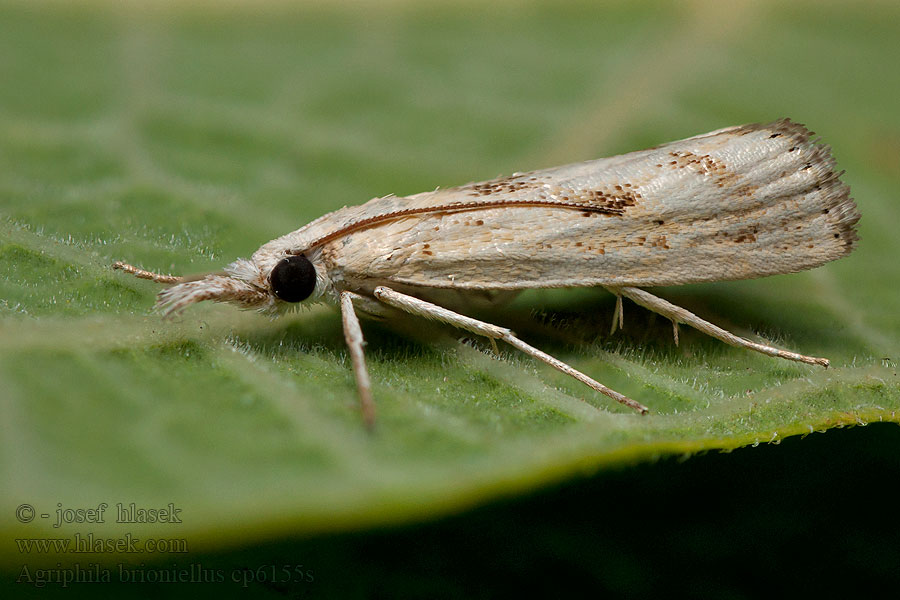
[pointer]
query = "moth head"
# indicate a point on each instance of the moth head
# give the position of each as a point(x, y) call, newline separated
point(270, 284)
point(293, 279)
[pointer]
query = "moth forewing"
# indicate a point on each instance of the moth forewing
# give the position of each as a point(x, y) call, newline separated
point(736, 203)
point(680, 213)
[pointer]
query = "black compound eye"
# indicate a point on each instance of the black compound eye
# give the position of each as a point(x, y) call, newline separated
point(293, 279)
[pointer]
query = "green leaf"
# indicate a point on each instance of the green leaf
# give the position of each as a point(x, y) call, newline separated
point(180, 139)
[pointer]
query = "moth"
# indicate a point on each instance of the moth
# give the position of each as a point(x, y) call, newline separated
point(736, 203)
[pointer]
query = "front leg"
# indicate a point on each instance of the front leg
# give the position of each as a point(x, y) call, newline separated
point(355, 342)
point(428, 310)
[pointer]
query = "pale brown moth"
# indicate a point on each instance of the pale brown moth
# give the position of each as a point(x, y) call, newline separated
point(736, 203)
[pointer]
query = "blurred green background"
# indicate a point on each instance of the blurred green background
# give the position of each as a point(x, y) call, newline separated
point(179, 136)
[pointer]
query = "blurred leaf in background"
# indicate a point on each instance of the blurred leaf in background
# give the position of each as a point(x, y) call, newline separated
point(179, 137)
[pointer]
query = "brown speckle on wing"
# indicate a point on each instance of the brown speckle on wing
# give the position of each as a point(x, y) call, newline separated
point(503, 185)
point(704, 164)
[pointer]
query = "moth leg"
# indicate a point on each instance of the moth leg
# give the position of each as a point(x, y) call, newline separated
point(680, 315)
point(355, 342)
point(428, 310)
point(618, 314)
point(621, 307)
